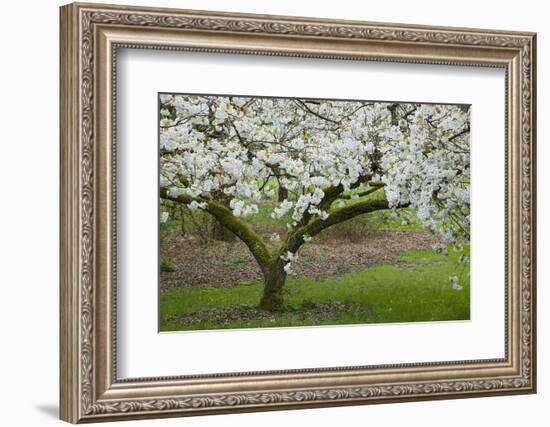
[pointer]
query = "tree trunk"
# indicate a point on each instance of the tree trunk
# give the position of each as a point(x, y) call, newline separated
point(283, 193)
point(274, 280)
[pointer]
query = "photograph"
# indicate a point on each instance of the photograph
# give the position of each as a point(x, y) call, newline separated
point(278, 212)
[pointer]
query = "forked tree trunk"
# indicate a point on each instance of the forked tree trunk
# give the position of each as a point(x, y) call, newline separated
point(274, 280)
point(273, 266)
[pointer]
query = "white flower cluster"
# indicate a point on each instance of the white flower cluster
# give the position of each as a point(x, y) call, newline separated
point(243, 149)
point(424, 168)
point(196, 205)
point(455, 286)
point(275, 237)
point(242, 209)
point(288, 258)
point(282, 209)
point(308, 202)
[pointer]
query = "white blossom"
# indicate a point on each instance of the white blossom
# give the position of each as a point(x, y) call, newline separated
point(440, 248)
point(197, 205)
point(289, 256)
point(454, 283)
point(238, 146)
point(282, 209)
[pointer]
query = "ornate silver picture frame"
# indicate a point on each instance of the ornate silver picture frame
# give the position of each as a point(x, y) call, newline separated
point(91, 34)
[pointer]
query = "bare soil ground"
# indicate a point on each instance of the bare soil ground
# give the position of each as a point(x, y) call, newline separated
point(224, 264)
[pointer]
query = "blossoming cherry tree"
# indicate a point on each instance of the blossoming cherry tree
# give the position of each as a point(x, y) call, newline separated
point(317, 163)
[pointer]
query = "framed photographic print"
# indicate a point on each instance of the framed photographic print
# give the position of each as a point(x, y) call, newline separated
point(266, 212)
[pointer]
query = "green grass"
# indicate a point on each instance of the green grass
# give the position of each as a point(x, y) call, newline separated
point(404, 219)
point(415, 289)
point(167, 265)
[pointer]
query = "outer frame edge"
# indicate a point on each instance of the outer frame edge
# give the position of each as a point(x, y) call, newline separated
point(68, 219)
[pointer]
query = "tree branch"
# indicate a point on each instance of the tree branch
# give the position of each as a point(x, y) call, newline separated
point(317, 225)
point(304, 106)
point(334, 193)
point(459, 134)
point(362, 194)
point(234, 224)
point(345, 213)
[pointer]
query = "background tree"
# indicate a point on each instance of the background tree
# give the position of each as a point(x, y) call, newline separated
point(319, 162)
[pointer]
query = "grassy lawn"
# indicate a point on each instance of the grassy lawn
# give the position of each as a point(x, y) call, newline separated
point(416, 288)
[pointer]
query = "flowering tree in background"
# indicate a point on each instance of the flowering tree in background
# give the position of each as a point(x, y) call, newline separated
point(319, 162)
